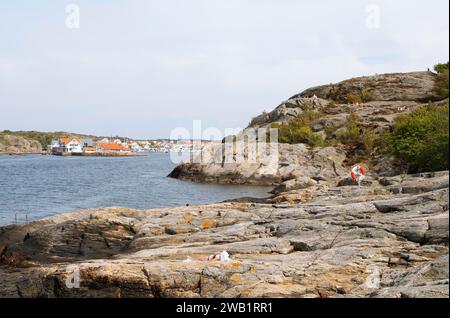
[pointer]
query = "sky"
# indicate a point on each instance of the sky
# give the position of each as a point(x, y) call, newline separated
point(143, 68)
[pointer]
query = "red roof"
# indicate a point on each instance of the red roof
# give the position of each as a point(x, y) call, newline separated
point(68, 140)
point(112, 146)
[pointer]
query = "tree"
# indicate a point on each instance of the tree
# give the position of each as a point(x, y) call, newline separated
point(441, 86)
point(421, 139)
point(441, 67)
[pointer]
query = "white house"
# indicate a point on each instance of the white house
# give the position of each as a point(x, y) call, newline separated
point(74, 146)
point(70, 145)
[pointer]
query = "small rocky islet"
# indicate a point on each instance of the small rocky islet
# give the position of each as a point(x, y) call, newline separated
point(317, 235)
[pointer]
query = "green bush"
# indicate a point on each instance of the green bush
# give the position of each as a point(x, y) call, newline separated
point(334, 93)
point(308, 115)
point(361, 143)
point(362, 96)
point(366, 96)
point(421, 139)
point(441, 85)
point(441, 67)
point(299, 130)
point(353, 98)
point(351, 132)
point(316, 140)
point(369, 140)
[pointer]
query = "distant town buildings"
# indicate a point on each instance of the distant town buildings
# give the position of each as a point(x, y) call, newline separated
point(112, 147)
point(80, 146)
point(75, 146)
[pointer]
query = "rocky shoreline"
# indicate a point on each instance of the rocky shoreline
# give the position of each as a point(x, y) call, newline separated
point(318, 235)
point(387, 239)
point(376, 101)
point(19, 153)
point(18, 145)
point(293, 162)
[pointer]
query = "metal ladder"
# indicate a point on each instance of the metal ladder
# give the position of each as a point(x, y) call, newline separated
point(16, 219)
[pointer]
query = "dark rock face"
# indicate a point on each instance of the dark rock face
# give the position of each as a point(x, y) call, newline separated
point(315, 240)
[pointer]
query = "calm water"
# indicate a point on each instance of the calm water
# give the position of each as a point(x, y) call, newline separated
point(48, 185)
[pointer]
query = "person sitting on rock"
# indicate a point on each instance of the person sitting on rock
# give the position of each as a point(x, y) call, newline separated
point(221, 257)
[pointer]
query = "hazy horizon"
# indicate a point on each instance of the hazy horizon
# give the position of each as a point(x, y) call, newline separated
point(140, 69)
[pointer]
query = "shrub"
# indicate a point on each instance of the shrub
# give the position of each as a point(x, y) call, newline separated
point(441, 85)
point(441, 67)
point(316, 140)
point(334, 93)
point(299, 130)
point(366, 96)
point(353, 98)
point(369, 140)
point(301, 134)
point(421, 139)
point(362, 96)
point(440, 89)
point(351, 132)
